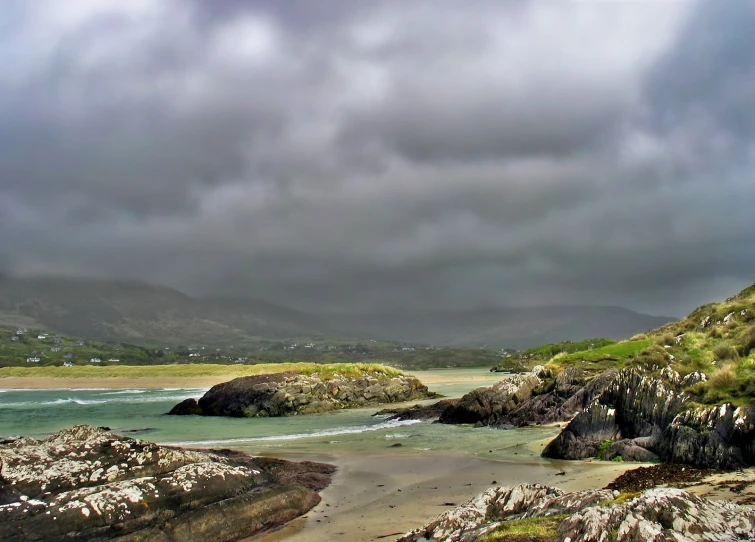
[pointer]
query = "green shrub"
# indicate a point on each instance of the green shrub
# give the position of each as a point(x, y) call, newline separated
point(715, 333)
point(667, 340)
point(724, 351)
point(603, 448)
point(747, 342)
point(724, 378)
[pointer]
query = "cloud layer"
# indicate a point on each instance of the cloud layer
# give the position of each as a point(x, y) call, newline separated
point(359, 156)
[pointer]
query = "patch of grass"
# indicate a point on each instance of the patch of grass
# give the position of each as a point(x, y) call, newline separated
point(543, 529)
point(667, 339)
point(747, 341)
point(325, 371)
point(620, 499)
point(724, 351)
point(603, 448)
point(612, 355)
point(724, 378)
point(618, 459)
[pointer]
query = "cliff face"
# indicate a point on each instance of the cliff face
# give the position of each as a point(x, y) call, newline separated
point(288, 394)
point(642, 417)
point(85, 483)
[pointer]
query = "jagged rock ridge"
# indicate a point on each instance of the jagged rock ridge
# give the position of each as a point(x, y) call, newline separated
point(657, 515)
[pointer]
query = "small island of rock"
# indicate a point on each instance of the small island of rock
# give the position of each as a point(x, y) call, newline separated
point(292, 393)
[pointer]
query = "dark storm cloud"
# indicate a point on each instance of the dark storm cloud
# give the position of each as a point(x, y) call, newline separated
point(347, 155)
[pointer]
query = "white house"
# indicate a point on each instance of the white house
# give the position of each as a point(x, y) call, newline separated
point(95, 360)
point(42, 336)
point(114, 360)
point(68, 364)
point(34, 359)
point(194, 355)
point(55, 349)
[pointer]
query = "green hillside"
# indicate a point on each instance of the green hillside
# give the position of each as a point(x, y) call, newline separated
point(717, 339)
point(39, 347)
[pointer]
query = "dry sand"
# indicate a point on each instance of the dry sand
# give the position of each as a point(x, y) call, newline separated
point(381, 496)
point(429, 378)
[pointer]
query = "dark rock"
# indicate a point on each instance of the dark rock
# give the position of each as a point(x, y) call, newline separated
point(714, 437)
point(572, 391)
point(418, 412)
point(629, 450)
point(650, 416)
point(186, 407)
point(484, 405)
point(397, 445)
point(88, 484)
point(288, 394)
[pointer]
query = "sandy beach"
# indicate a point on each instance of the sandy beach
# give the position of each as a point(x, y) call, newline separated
point(429, 378)
point(381, 496)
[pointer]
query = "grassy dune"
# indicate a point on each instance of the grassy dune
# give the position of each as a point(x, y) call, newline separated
point(198, 371)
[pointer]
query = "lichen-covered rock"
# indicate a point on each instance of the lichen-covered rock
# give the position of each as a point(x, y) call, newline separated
point(483, 405)
point(468, 521)
point(85, 483)
point(289, 394)
point(658, 515)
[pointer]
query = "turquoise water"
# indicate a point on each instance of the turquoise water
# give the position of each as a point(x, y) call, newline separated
point(140, 413)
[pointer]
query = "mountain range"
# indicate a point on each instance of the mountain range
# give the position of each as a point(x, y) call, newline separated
point(134, 312)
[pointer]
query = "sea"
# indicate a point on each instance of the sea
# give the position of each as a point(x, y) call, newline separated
point(141, 413)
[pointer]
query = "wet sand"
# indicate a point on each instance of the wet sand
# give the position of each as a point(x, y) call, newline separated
point(381, 496)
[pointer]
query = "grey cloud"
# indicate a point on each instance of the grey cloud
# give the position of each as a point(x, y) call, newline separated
point(384, 154)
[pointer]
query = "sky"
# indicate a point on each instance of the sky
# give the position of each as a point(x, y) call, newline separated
point(384, 155)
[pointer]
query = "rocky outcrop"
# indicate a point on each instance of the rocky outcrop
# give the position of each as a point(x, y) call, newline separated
point(534, 398)
point(418, 412)
point(86, 483)
point(288, 394)
point(560, 400)
point(643, 418)
point(714, 437)
point(483, 405)
point(658, 515)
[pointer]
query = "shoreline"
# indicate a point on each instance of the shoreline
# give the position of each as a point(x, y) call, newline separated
point(116, 383)
point(411, 489)
point(432, 377)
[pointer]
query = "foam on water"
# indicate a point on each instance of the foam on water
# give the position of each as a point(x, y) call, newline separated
point(296, 436)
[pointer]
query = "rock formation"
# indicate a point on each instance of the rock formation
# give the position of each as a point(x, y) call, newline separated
point(288, 394)
point(643, 417)
point(657, 515)
point(86, 483)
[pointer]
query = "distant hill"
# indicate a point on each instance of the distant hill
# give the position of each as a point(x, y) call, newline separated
point(142, 313)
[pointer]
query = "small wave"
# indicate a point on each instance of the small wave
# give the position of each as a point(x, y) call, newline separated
point(126, 392)
point(398, 435)
point(67, 400)
point(296, 436)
